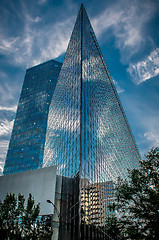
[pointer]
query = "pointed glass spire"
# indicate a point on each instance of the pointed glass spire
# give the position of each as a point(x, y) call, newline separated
point(62, 146)
point(87, 133)
point(87, 128)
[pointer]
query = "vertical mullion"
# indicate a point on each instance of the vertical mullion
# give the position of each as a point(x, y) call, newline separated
point(80, 126)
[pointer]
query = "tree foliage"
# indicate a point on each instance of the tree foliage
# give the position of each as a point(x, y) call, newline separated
point(136, 209)
point(20, 222)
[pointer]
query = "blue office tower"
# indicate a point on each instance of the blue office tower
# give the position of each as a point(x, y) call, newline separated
point(87, 131)
point(27, 141)
point(84, 132)
point(88, 136)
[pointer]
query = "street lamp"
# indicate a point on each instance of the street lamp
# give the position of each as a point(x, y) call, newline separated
point(58, 214)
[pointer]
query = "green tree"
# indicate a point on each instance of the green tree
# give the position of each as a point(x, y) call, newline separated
point(136, 209)
point(18, 222)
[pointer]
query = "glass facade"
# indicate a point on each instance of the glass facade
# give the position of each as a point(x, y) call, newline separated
point(81, 127)
point(88, 136)
point(26, 146)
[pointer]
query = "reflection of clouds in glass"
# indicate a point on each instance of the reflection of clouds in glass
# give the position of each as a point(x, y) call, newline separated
point(87, 74)
point(51, 155)
point(40, 100)
point(64, 116)
point(95, 132)
point(68, 125)
point(61, 167)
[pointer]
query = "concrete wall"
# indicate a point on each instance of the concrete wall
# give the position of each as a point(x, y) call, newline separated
point(41, 183)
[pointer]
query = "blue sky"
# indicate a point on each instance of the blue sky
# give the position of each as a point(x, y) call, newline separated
point(32, 32)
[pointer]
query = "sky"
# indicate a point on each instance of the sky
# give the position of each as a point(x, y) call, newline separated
point(34, 31)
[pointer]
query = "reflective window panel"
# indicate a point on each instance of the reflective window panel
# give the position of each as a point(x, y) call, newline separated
point(88, 134)
point(27, 141)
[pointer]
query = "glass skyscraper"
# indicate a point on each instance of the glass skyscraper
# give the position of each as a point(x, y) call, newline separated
point(79, 126)
point(27, 141)
point(88, 136)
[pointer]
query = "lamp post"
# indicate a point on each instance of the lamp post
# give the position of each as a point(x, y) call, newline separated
point(58, 214)
point(55, 227)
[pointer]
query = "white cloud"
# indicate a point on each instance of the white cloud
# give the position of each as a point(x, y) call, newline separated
point(146, 115)
point(12, 108)
point(109, 18)
point(6, 127)
point(5, 131)
point(3, 152)
point(30, 19)
point(152, 137)
point(126, 20)
point(118, 88)
point(7, 45)
point(145, 69)
point(51, 40)
point(41, 2)
point(8, 91)
point(37, 44)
